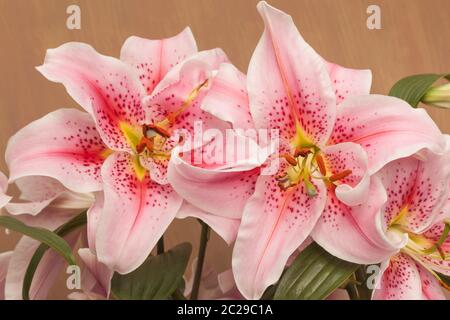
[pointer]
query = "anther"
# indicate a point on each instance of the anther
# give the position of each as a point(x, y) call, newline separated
point(141, 145)
point(302, 152)
point(321, 164)
point(340, 175)
point(290, 159)
point(161, 131)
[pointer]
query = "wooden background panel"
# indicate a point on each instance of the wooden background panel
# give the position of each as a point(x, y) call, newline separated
point(412, 40)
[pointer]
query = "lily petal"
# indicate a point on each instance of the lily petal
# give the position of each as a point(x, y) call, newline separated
point(93, 218)
point(229, 183)
point(399, 281)
point(357, 234)
point(63, 145)
point(274, 225)
point(106, 87)
point(182, 98)
point(386, 127)
point(5, 257)
point(431, 290)
point(212, 58)
point(349, 82)
point(136, 212)
point(97, 277)
point(352, 189)
point(298, 88)
point(226, 228)
point(154, 58)
point(419, 186)
point(227, 97)
point(4, 199)
point(434, 261)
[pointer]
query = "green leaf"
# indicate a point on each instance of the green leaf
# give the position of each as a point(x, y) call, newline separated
point(313, 275)
point(156, 279)
point(413, 88)
point(445, 280)
point(46, 236)
point(62, 231)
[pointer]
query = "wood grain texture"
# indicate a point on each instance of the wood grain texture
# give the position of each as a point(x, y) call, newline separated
point(413, 40)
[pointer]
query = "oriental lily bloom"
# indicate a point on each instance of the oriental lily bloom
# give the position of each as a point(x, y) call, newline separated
point(124, 143)
point(333, 135)
point(404, 225)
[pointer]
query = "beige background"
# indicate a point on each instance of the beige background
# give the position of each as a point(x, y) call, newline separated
point(413, 40)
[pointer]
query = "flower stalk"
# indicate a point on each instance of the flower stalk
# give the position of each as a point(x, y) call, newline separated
point(204, 237)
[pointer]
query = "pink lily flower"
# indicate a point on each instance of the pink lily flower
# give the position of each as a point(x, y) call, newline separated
point(402, 225)
point(333, 135)
point(124, 144)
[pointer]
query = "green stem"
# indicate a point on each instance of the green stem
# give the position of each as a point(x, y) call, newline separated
point(204, 236)
point(160, 246)
point(352, 289)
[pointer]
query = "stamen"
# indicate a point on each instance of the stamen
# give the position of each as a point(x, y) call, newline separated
point(340, 175)
point(290, 159)
point(141, 146)
point(301, 152)
point(161, 131)
point(439, 242)
point(321, 164)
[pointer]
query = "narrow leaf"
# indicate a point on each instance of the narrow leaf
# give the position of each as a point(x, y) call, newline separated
point(314, 275)
point(46, 236)
point(156, 279)
point(62, 231)
point(413, 88)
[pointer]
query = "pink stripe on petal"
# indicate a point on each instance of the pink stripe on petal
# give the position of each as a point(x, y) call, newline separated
point(106, 87)
point(135, 215)
point(274, 224)
point(63, 145)
point(287, 79)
